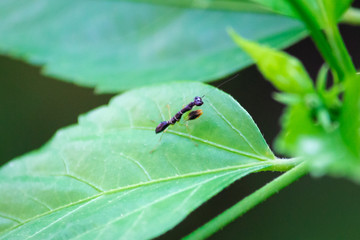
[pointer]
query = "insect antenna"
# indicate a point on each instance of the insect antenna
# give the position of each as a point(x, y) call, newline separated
point(223, 83)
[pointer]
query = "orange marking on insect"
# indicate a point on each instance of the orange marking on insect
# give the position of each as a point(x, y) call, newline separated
point(194, 114)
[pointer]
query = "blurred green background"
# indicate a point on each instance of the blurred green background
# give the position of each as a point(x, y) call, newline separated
point(33, 107)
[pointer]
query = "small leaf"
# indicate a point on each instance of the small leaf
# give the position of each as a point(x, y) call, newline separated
point(321, 78)
point(284, 71)
point(297, 123)
point(119, 45)
point(109, 177)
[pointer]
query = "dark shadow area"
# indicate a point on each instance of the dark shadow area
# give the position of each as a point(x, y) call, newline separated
point(33, 107)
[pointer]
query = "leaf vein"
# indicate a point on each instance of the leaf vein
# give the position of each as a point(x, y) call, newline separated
point(35, 199)
point(152, 203)
point(134, 224)
point(98, 189)
point(5, 216)
point(233, 127)
point(261, 158)
point(134, 186)
point(62, 217)
point(138, 164)
point(214, 144)
point(131, 121)
point(187, 198)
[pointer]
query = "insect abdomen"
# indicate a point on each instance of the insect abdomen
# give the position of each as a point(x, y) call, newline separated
point(194, 114)
point(162, 126)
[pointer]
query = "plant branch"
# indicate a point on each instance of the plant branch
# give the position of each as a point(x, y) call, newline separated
point(248, 203)
point(318, 37)
point(339, 50)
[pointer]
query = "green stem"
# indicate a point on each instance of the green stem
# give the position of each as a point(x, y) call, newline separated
point(247, 203)
point(283, 165)
point(339, 50)
point(350, 115)
point(318, 37)
point(351, 16)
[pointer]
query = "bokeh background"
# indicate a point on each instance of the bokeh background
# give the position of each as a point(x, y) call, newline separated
point(33, 107)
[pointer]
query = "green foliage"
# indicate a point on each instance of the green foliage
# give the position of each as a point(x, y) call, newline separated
point(118, 45)
point(329, 154)
point(322, 12)
point(350, 114)
point(285, 72)
point(232, 5)
point(247, 203)
point(110, 177)
point(314, 128)
point(317, 125)
point(310, 123)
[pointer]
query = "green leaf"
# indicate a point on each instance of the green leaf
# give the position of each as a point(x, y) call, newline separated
point(285, 72)
point(233, 5)
point(119, 45)
point(109, 176)
point(352, 16)
point(297, 122)
point(322, 11)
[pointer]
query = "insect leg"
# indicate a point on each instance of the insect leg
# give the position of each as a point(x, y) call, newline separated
point(191, 116)
point(158, 143)
point(168, 107)
point(189, 134)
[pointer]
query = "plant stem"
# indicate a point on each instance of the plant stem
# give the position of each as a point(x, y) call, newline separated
point(284, 165)
point(248, 202)
point(318, 37)
point(350, 115)
point(339, 50)
point(351, 16)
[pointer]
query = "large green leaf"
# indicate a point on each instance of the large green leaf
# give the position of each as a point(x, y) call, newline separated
point(110, 177)
point(233, 5)
point(118, 45)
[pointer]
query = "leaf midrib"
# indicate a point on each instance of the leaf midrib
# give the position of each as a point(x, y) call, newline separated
point(189, 136)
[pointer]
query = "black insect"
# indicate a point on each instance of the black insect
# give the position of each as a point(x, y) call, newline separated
point(192, 115)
